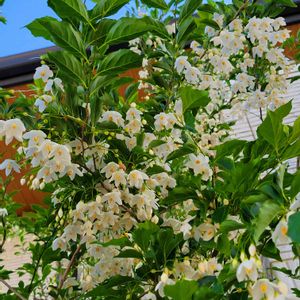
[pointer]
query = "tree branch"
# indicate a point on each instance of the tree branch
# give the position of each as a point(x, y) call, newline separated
point(63, 279)
point(12, 289)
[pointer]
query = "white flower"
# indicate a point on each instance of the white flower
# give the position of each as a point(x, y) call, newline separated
point(181, 64)
point(205, 231)
point(149, 296)
point(69, 283)
point(112, 198)
point(59, 243)
point(72, 170)
point(3, 212)
point(247, 270)
point(263, 289)
point(56, 81)
point(130, 142)
point(134, 126)
point(133, 114)
point(9, 165)
point(171, 28)
point(219, 19)
point(46, 173)
point(71, 231)
point(43, 72)
point(119, 177)
point(136, 178)
point(13, 128)
point(164, 280)
point(109, 169)
point(78, 145)
point(192, 75)
point(35, 137)
point(112, 116)
point(279, 236)
point(42, 102)
point(61, 153)
point(200, 165)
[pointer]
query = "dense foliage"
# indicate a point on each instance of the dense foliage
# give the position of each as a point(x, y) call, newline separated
point(149, 196)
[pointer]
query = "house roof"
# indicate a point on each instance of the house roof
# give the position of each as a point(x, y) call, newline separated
point(18, 69)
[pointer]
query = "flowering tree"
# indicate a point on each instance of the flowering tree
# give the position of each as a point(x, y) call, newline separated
point(149, 195)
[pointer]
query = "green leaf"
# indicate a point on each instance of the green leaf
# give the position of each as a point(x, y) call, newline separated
point(68, 65)
point(69, 9)
point(295, 186)
point(157, 27)
point(184, 30)
point(105, 8)
point(119, 61)
point(122, 242)
point(38, 29)
point(294, 227)
point(179, 194)
point(267, 212)
point(132, 253)
point(108, 287)
point(142, 235)
point(102, 28)
point(271, 128)
point(192, 98)
point(156, 143)
point(60, 33)
point(156, 3)
point(188, 9)
point(289, 3)
point(182, 151)
point(296, 131)
point(232, 147)
point(126, 29)
point(292, 151)
point(183, 289)
point(230, 225)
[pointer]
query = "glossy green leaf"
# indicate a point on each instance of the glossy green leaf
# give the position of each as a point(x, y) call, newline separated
point(295, 186)
point(38, 29)
point(105, 8)
point(272, 129)
point(189, 7)
point(130, 253)
point(292, 151)
point(119, 61)
point(68, 65)
point(60, 33)
point(182, 151)
point(102, 28)
point(289, 3)
point(192, 98)
point(182, 289)
point(156, 3)
point(230, 225)
point(107, 288)
point(142, 235)
point(69, 9)
point(294, 227)
point(185, 29)
point(267, 212)
point(126, 29)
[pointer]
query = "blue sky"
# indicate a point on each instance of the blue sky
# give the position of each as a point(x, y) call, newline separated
point(15, 38)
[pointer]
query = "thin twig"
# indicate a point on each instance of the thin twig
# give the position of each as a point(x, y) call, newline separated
point(63, 279)
point(12, 289)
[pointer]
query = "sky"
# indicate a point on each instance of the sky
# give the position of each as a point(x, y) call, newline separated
point(14, 37)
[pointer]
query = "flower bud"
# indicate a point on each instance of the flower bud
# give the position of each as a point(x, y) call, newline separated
point(252, 250)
